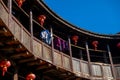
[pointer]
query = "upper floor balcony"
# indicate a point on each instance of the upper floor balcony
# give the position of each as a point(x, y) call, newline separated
point(76, 60)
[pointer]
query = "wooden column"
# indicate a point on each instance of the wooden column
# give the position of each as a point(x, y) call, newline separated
point(31, 30)
point(10, 13)
point(10, 6)
point(81, 58)
point(89, 61)
point(70, 52)
point(111, 62)
point(15, 76)
point(31, 23)
point(52, 45)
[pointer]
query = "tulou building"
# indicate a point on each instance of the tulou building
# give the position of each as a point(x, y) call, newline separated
point(36, 44)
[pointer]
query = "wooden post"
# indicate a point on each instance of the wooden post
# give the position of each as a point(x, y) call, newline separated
point(31, 30)
point(10, 13)
point(10, 6)
point(52, 45)
point(70, 51)
point(89, 61)
point(31, 23)
point(15, 77)
point(111, 61)
point(81, 58)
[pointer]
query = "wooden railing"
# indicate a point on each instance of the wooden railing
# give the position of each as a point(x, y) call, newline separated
point(41, 50)
point(117, 71)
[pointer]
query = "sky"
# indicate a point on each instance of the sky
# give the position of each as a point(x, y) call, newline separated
point(98, 16)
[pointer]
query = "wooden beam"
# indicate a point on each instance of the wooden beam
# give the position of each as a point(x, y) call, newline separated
point(33, 63)
point(70, 77)
point(27, 60)
point(6, 34)
point(7, 49)
point(19, 55)
point(20, 49)
point(12, 43)
point(44, 66)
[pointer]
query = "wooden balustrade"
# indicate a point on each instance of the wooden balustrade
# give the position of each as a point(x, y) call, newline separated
point(67, 62)
point(117, 71)
point(4, 13)
point(37, 48)
point(96, 70)
point(57, 58)
point(47, 55)
point(43, 51)
point(107, 72)
point(85, 69)
point(76, 66)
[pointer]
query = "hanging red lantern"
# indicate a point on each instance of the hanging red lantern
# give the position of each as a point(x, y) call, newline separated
point(118, 45)
point(20, 2)
point(75, 39)
point(8, 64)
point(4, 69)
point(4, 65)
point(41, 19)
point(30, 76)
point(95, 43)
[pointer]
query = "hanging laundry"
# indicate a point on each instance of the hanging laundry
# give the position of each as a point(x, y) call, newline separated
point(57, 43)
point(65, 46)
point(46, 36)
point(60, 44)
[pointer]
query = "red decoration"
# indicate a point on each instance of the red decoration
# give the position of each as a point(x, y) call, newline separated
point(8, 64)
point(41, 19)
point(4, 69)
point(118, 45)
point(20, 2)
point(95, 43)
point(4, 65)
point(30, 76)
point(75, 39)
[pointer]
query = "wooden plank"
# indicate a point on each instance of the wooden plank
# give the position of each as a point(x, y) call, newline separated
point(27, 60)
point(12, 43)
point(3, 33)
point(43, 66)
point(20, 49)
point(19, 55)
point(33, 63)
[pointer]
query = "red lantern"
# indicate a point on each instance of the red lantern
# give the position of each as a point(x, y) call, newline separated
point(20, 2)
point(8, 64)
point(118, 45)
point(30, 76)
point(41, 19)
point(95, 43)
point(4, 65)
point(4, 69)
point(75, 39)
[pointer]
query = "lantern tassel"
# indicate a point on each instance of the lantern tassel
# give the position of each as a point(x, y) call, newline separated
point(3, 73)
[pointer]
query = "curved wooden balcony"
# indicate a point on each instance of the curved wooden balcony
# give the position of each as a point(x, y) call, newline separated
point(26, 51)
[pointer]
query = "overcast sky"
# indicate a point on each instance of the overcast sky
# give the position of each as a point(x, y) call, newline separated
point(99, 16)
